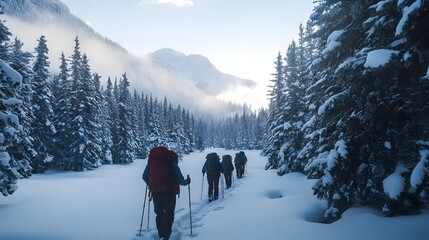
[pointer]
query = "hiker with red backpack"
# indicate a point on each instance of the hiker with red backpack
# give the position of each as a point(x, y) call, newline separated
point(213, 168)
point(163, 176)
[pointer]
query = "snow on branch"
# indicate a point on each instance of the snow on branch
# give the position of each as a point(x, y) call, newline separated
point(394, 184)
point(14, 75)
point(378, 58)
point(421, 169)
point(329, 103)
point(407, 11)
point(332, 41)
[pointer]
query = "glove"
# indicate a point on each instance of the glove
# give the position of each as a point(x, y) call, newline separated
point(188, 179)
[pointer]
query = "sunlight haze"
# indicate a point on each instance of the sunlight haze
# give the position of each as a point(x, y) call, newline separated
point(240, 37)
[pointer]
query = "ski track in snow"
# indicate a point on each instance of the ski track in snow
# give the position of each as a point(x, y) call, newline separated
point(200, 209)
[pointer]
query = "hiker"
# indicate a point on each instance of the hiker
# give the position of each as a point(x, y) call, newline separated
point(213, 168)
point(227, 169)
point(163, 176)
point(240, 161)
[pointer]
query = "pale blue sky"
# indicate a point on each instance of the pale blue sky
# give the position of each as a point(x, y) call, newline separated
point(240, 37)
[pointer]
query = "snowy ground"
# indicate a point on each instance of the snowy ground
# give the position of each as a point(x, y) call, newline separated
point(107, 204)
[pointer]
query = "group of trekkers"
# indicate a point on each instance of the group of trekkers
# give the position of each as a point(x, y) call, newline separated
point(214, 169)
point(163, 177)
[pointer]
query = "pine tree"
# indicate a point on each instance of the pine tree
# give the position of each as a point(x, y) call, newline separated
point(126, 144)
point(275, 117)
point(156, 135)
point(43, 130)
point(23, 151)
point(106, 124)
point(63, 113)
point(363, 131)
point(85, 146)
point(10, 111)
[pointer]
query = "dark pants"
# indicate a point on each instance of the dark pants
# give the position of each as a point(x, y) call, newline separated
point(164, 204)
point(227, 175)
point(213, 181)
point(239, 168)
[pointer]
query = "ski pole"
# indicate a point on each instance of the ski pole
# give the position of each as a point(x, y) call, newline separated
point(202, 186)
point(148, 210)
point(190, 211)
point(144, 205)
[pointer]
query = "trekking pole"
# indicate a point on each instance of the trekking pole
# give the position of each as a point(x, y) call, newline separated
point(144, 205)
point(148, 210)
point(222, 185)
point(190, 211)
point(202, 186)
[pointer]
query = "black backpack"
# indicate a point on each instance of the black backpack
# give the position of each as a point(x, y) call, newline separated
point(212, 164)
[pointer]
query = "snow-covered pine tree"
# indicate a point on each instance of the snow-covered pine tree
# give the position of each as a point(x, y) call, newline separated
point(85, 145)
point(373, 74)
point(138, 106)
point(106, 124)
point(275, 116)
point(200, 134)
point(394, 70)
point(188, 145)
point(10, 111)
point(260, 135)
point(23, 151)
point(293, 108)
point(63, 112)
point(176, 131)
point(332, 140)
point(112, 100)
point(126, 144)
point(43, 129)
point(243, 127)
point(156, 135)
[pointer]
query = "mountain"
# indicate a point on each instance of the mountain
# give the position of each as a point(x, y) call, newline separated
point(199, 70)
point(29, 19)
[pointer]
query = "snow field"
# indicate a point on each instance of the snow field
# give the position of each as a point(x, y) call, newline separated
point(107, 204)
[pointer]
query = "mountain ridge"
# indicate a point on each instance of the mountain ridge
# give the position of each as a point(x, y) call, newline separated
point(28, 21)
point(196, 68)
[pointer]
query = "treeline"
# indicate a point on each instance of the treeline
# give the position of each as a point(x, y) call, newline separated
point(349, 105)
point(70, 122)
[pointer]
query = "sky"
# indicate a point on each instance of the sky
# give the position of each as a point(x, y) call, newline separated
point(240, 37)
point(107, 203)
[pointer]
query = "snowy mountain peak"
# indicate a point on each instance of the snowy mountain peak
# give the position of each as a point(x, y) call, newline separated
point(199, 70)
point(32, 8)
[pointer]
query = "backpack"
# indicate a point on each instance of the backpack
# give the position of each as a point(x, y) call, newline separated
point(227, 163)
point(239, 160)
point(212, 164)
point(161, 176)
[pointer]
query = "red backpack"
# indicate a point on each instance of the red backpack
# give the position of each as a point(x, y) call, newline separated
point(161, 176)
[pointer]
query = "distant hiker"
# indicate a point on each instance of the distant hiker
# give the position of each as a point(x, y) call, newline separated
point(227, 169)
point(163, 176)
point(240, 161)
point(213, 168)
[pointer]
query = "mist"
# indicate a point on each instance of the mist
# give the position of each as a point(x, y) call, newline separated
point(111, 60)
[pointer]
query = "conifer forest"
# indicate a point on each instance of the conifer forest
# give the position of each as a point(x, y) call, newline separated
point(348, 106)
